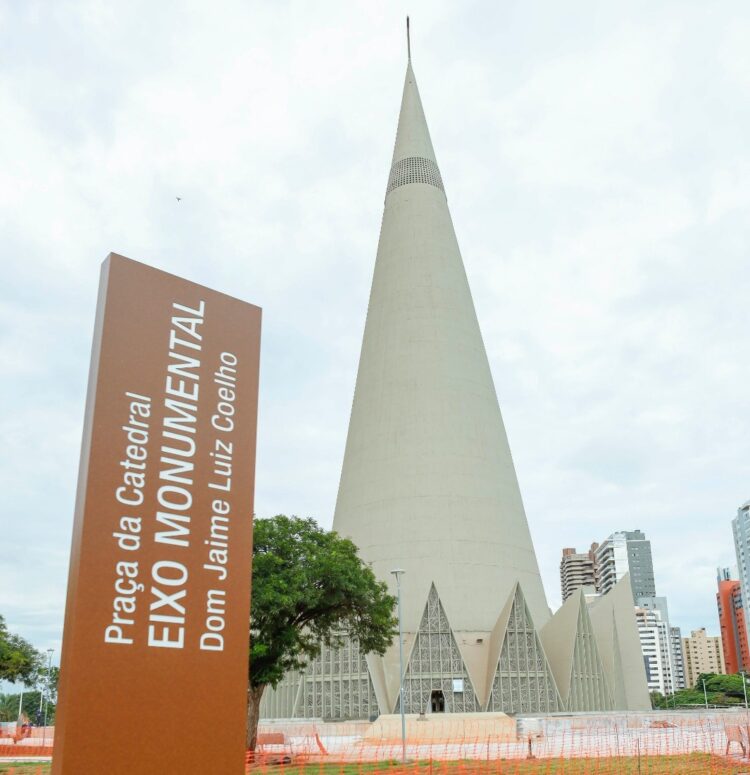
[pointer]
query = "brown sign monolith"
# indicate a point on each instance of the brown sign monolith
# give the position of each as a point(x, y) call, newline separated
point(154, 664)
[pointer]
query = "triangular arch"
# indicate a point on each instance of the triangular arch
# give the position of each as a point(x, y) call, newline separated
point(436, 665)
point(335, 686)
point(523, 681)
point(588, 685)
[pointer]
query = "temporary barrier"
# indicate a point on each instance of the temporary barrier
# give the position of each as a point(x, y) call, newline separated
point(25, 741)
point(680, 743)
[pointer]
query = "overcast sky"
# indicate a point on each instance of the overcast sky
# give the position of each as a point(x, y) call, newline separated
point(596, 165)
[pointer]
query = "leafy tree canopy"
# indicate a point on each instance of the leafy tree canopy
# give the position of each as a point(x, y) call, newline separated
point(720, 690)
point(19, 660)
point(730, 685)
point(310, 587)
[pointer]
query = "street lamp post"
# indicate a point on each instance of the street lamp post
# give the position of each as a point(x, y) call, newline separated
point(705, 694)
point(45, 688)
point(744, 686)
point(397, 572)
point(46, 706)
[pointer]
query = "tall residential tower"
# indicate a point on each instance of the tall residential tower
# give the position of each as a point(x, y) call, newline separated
point(703, 654)
point(741, 531)
point(577, 570)
point(627, 551)
point(734, 641)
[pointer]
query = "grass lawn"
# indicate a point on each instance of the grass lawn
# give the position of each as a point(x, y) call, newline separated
point(694, 764)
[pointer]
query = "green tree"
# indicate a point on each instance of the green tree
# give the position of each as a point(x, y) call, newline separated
point(721, 690)
point(9, 705)
point(728, 685)
point(309, 587)
point(19, 660)
point(658, 700)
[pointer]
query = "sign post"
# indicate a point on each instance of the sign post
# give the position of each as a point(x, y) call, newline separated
point(154, 667)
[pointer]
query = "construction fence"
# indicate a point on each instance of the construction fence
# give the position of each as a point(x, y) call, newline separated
point(490, 737)
point(685, 743)
point(25, 741)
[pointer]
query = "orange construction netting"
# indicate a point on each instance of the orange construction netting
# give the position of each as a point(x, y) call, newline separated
point(674, 743)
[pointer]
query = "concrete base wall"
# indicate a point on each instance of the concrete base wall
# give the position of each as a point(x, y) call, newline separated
point(444, 726)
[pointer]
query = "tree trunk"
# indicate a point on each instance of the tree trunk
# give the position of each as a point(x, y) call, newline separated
point(254, 695)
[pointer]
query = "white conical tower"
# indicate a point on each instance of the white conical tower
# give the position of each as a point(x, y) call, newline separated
point(428, 486)
point(428, 482)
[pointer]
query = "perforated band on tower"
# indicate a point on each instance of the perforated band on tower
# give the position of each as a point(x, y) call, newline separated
point(414, 169)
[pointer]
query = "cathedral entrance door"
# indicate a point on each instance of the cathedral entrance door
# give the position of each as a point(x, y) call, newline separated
point(437, 701)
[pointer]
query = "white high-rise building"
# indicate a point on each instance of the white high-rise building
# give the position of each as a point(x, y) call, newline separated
point(679, 674)
point(673, 666)
point(626, 551)
point(657, 648)
point(629, 552)
point(741, 531)
point(428, 486)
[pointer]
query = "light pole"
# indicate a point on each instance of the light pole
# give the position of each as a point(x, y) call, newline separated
point(49, 665)
point(45, 691)
point(46, 705)
point(397, 572)
point(41, 698)
point(705, 695)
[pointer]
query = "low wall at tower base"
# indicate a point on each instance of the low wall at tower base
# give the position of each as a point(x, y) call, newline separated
point(497, 727)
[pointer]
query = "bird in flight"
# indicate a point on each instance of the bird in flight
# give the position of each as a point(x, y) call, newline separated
point(178, 198)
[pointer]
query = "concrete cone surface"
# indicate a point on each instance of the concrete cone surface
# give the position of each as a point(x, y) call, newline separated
point(428, 482)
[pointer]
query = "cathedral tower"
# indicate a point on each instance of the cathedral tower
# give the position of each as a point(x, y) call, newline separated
point(428, 485)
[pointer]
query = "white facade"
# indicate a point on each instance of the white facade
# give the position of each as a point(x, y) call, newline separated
point(674, 665)
point(626, 551)
point(741, 531)
point(618, 640)
point(629, 552)
point(679, 674)
point(611, 561)
point(677, 663)
point(657, 649)
point(676, 657)
point(428, 483)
